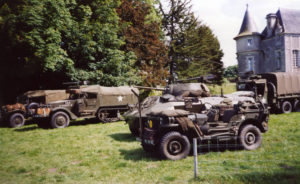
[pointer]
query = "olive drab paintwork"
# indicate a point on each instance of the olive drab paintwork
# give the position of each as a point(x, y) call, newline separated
point(104, 103)
point(280, 90)
point(26, 104)
point(169, 122)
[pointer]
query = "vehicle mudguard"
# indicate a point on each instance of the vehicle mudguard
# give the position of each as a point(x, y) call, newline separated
point(71, 115)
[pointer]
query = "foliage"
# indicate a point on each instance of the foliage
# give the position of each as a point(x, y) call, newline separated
point(231, 72)
point(142, 36)
point(227, 88)
point(107, 153)
point(200, 54)
point(193, 49)
point(62, 40)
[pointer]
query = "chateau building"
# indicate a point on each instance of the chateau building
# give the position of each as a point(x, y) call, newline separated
point(275, 49)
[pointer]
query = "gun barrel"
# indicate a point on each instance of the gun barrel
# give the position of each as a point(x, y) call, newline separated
point(150, 88)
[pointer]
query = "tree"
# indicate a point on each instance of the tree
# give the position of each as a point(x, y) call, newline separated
point(193, 49)
point(44, 43)
point(231, 72)
point(141, 31)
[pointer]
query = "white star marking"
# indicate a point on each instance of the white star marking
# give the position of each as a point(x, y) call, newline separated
point(120, 98)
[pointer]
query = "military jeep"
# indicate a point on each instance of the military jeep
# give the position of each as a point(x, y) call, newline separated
point(170, 131)
point(104, 103)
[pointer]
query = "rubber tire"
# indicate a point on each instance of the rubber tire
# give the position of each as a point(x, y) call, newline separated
point(284, 105)
point(53, 123)
point(254, 131)
point(13, 118)
point(174, 137)
point(297, 106)
point(134, 127)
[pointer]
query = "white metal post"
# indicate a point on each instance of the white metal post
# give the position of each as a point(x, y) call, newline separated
point(195, 157)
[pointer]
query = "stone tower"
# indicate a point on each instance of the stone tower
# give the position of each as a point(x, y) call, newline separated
point(248, 47)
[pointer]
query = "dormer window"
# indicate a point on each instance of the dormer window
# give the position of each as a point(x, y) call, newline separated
point(249, 42)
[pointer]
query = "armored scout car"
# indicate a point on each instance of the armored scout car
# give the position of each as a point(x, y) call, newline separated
point(169, 123)
point(104, 103)
point(16, 114)
point(171, 93)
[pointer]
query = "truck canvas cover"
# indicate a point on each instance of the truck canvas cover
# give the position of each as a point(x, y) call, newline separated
point(48, 95)
point(286, 83)
point(110, 96)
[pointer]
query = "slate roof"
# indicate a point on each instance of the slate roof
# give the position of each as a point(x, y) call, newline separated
point(248, 26)
point(290, 20)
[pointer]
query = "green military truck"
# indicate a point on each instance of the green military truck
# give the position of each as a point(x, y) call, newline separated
point(280, 90)
point(104, 103)
point(15, 114)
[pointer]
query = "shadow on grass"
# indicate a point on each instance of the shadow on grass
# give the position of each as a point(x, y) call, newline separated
point(207, 148)
point(123, 137)
point(85, 122)
point(286, 174)
point(139, 155)
point(25, 129)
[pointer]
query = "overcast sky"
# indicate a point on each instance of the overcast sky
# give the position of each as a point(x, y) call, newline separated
point(225, 17)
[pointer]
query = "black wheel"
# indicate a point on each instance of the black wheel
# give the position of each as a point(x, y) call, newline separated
point(16, 120)
point(174, 146)
point(297, 106)
point(59, 120)
point(250, 137)
point(134, 127)
point(286, 107)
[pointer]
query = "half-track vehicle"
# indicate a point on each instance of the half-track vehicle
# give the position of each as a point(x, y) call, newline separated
point(104, 103)
point(16, 114)
point(280, 90)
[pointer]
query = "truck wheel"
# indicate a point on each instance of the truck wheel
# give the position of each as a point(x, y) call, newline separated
point(286, 107)
point(250, 137)
point(174, 146)
point(297, 106)
point(59, 120)
point(16, 120)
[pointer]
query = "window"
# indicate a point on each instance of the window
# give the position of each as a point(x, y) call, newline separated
point(296, 58)
point(249, 42)
point(250, 63)
point(278, 60)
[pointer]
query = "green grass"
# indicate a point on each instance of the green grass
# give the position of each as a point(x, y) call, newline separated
point(107, 153)
point(227, 88)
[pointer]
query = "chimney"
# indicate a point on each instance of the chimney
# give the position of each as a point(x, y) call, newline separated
point(271, 21)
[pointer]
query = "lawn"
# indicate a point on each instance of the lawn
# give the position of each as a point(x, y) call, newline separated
point(88, 152)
